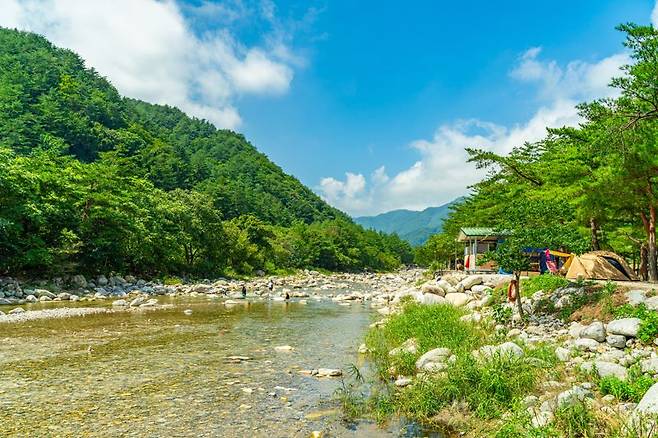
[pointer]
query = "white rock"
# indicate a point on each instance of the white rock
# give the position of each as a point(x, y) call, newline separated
point(187, 311)
point(329, 372)
point(408, 346)
point(402, 381)
point(574, 329)
point(138, 301)
point(649, 403)
point(480, 289)
point(625, 326)
point(120, 303)
point(572, 396)
point(16, 311)
point(586, 344)
point(431, 287)
point(636, 297)
point(616, 341)
point(440, 355)
point(458, 299)
point(563, 354)
point(649, 365)
point(448, 288)
point(283, 348)
point(430, 299)
point(595, 331)
point(652, 303)
point(542, 419)
point(470, 281)
point(605, 369)
point(505, 349)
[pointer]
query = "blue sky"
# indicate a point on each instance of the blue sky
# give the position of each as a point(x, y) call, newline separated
point(369, 103)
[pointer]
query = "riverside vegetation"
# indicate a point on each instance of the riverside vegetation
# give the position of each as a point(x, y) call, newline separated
point(453, 354)
point(91, 182)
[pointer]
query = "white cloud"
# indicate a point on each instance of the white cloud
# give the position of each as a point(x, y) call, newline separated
point(654, 15)
point(148, 50)
point(441, 173)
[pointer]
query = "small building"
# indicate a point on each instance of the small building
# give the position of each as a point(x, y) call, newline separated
point(478, 241)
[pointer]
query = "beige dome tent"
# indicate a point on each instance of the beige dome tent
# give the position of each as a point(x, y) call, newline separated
point(600, 265)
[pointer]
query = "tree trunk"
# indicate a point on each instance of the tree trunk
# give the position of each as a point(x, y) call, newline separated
point(650, 229)
point(643, 262)
point(517, 288)
point(594, 229)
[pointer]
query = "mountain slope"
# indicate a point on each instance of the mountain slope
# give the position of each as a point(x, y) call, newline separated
point(94, 182)
point(48, 100)
point(413, 226)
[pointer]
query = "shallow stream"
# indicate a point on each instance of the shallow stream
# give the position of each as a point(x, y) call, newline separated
point(164, 373)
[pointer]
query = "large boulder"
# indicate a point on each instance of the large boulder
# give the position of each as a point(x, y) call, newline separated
point(429, 299)
point(458, 299)
point(586, 344)
point(437, 355)
point(605, 369)
point(470, 281)
point(447, 286)
point(649, 403)
point(431, 287)
point(595, 331)
point(480, 289)
point(625, 326)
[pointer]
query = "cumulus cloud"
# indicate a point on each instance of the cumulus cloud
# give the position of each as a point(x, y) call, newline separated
point(441, 173)
point(149, 51)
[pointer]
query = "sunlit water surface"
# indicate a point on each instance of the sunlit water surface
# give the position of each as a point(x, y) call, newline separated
point(163, 373)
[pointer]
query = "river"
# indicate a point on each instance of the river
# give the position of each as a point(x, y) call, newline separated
point(162, 372)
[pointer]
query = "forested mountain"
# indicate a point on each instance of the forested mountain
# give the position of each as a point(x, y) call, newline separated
point(413, 226)
point(95, 181)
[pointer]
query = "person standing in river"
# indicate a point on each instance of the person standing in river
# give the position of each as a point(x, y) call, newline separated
point(270, 285)
point(244, 291)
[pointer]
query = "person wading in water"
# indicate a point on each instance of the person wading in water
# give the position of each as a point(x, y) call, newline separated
point(244, 291)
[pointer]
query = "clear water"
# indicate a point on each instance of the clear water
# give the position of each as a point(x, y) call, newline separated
point(163, 373)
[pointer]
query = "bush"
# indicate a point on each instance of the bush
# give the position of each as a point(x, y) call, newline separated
point(545, 282)
point(631, 390)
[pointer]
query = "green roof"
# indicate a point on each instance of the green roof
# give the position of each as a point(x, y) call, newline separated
point(478, 231)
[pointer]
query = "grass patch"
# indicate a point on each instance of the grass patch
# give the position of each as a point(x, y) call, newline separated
point(486, 389)
point(432, 326)
point(545, 282)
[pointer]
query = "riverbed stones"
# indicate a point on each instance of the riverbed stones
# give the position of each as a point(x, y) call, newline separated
point(605, 369)
point(649, 365)
point(458, 299)
point(409, 346)
point(649, 403)
point(595, 331)
point(432, 299)
point(652, 303)
point(624, 326)
point(16, 311)
point(636, 297)
point(447, 286)
point(138, 301)
point(44, 298)
point(120, 303)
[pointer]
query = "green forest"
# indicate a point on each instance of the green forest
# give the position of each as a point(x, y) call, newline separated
point(590, 187)
point(91, 181)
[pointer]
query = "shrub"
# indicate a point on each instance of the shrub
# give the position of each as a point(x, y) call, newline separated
point(632, 389)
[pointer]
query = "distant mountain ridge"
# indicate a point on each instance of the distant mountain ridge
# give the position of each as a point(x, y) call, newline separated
point(413, 226)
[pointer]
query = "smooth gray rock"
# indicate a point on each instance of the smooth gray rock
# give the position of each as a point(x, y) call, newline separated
point(573, 395)
point(586, 344)
point(439, 355)
point(649, 365)
point(605, 369)
point(595, 331)
point(624, 326)
point(617, 341)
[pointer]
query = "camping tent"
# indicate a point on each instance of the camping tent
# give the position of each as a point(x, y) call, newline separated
point(600, 265)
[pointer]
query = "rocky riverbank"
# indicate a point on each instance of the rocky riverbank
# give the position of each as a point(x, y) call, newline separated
point(130, 293)
point(606, 363)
